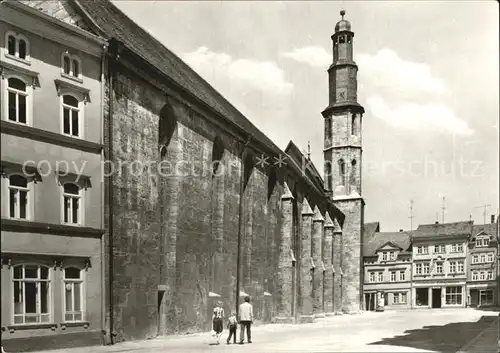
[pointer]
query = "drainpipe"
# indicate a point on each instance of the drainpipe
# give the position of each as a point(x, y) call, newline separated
point(103, 248)
point(240, 224)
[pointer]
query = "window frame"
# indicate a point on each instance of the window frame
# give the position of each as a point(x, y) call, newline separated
point(419, 269)
point(394, 276)
point(81, 114)
point(17, 92)
point(380, 276)
point(65, 281)
point(371, 276)
point(402, 275)
point(81, 204)
point(50, 299)
point(439, 265)
point(29, 82)
point(30, 197)
point(454, 294)
point(72, 58)
point(426, 268)
point(18, 37)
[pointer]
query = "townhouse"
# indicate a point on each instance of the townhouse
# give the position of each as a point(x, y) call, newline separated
point(387, 271)
point(482, 264)
point(51, 206)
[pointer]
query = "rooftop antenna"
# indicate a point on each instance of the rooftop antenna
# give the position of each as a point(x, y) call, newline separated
point(411, 216)
point(484, 212)
point(443, 209)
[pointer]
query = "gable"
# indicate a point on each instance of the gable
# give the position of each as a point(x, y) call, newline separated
point(388, 246)
point(62, 10)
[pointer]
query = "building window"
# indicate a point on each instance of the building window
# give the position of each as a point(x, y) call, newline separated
point(395, 298)
point(17, 100)
point(475, 276)
point(475, 259)
point(402, 275)
point(372, 277)
point(426, 268)
point(72, 200)
point(18, 197)
point(453, 295)
point(418, 269)
point(483, 258)
point(73, 295)
point(490, 257)
point(457, 248)
point(384, 256)
point(393, 276)
point(453, 267)
point(354, 128)
point(393, 255)
point(71, 65)
point(482, 242)
point(17, 46)
point(439, 267)
point(460, 267)
point(71, 116)
point(490, 275)
point(403, 298)
point(439, 249)
point(481, 276)
point(422, 250)
point(380, 277)
point(31, 294)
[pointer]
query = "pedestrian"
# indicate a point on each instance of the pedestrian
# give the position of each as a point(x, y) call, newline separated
point(231, 326)
point(246, 320)
point(217, 320)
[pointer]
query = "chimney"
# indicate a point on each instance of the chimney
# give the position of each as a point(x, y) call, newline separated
point(436, 222)
point(492, 218)
point(400, 230)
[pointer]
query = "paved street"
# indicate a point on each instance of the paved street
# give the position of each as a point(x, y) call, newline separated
point(446, 330)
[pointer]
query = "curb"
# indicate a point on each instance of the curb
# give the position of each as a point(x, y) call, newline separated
point(466, 348)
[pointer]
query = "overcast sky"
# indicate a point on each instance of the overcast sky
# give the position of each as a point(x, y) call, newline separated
point(428, 79)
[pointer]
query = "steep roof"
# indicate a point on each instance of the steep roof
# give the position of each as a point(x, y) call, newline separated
point(369, 229)
point(443, 229)
point(490, 229)
point(113, 23)
point(311, 172)
point(400, 239)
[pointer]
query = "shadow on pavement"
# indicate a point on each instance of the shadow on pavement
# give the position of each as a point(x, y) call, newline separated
point(447, 338)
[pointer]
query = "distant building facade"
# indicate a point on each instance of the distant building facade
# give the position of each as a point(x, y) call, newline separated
point(482, 264)
point(387, 271)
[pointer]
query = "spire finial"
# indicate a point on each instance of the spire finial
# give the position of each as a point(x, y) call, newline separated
point(342, 13)
point(308, 149)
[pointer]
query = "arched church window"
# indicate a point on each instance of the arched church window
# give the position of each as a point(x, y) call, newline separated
point(353, 125)
point(341, 39)
point(166, 128)
point(328, 172)
point(217, 153)
point(353, 171)
point(342, 171)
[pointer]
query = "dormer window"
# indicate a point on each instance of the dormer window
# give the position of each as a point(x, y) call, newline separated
point(384, 256)
point(482, 242)
point(392, 255)
point(17, 46)
point(71, 66)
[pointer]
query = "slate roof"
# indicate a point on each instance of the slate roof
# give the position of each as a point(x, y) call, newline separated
point(312, 173)
point(369, 229)
point(115, 24)
point(400, 239)
point(490, 229)
point(443, 229)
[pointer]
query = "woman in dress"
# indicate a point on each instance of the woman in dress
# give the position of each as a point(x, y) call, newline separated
point(217, 320)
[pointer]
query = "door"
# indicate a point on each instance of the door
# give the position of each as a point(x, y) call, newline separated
point(161, 328)
point(436, 297)
point(474, 298)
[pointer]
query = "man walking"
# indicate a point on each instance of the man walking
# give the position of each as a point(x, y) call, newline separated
point(246, 319)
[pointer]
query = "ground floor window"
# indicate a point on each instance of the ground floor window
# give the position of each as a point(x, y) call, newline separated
point(486, 297)
point(399, 298)
point(31, 300)
point(73, 289)
point(422, 296)
point(454, 295)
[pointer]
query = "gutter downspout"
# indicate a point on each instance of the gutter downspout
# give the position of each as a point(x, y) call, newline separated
point(240, 225)
point(103, 245)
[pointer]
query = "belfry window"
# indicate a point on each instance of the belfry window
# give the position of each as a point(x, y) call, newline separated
point(342, 171)
point(341, 39)
point(353, 125)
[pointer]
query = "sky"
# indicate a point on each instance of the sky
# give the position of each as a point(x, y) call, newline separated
point(428, 79)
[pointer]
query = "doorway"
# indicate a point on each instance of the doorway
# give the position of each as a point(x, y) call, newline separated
point(370, 301)
point(161, 327)
point(436, 298)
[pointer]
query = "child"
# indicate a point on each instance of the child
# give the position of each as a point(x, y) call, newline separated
point(231, 325)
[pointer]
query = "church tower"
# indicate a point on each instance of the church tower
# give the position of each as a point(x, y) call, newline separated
point(342, 153)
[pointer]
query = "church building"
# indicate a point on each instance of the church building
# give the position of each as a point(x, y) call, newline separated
point(196, 205)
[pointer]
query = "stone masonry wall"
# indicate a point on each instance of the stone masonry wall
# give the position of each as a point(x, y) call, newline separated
point(179, 232)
